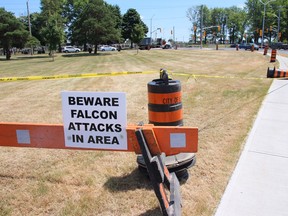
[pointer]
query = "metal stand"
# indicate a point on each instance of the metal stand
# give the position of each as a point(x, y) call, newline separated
point(161, 179)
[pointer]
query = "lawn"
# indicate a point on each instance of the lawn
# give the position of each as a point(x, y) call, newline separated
point(222, 92)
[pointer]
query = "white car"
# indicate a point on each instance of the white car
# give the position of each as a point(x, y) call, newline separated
point(107, 48)
point(69, 49)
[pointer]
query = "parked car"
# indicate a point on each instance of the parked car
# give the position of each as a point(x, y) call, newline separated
point(256, 47)
point(242, 46)
point(107, 48)
point(70, 49)
point(40, 50)
point(26, 51)
point(279, 45)
point(248, 46)
point(167, 46)
point(233, 45)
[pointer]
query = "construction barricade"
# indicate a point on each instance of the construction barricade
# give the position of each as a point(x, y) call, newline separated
point(161, 179)
point(276, 73)
point(252, 48)
point(93, 121)
point(273, 55)
point(165, 109)
point(265, 50)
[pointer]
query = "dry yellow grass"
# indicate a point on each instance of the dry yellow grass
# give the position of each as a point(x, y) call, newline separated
point(62, 182)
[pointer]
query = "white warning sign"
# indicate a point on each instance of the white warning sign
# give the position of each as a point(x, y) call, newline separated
point(95, 120)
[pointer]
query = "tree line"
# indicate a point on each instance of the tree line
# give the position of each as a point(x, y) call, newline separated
point(241, 23)
point(82, 22)
point(89, 23)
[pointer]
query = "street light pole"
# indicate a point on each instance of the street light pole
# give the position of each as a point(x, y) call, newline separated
point(263, 25)
point(278, 28)
point(151, 26)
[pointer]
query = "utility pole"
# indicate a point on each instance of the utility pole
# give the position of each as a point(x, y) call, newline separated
point(29, 23)
point(28, 14)
point(174, 34)
point(263, 25)
point(201, 26)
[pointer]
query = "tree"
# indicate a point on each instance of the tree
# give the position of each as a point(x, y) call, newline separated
point(52, 34)
point(32, 42)
point(37, 22)
point(236, 23)
point(275, 11)
point(196, 15)
point(52, 12)
point(71, 11)
point(115, 9)
point(76, 12)
point(12, 32)
point(95, 24)
point(131, 24)
point(137, 34)
point(219, 18)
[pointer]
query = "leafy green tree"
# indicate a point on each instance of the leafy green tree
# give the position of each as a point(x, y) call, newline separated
point(236, 23)
point(219, 18)
point(32, 42)
point(194, 14)
point(95, 24)
point(77, 11)
point(52, 12)
point(52, 34)
point(233, 19)
point(37, 22)
point(12, 32)
point(255, 22)
point(115, 9)
point(275, 11)
point(71, 11)
point(137, 34)
point(279, 13)
point(132, 23)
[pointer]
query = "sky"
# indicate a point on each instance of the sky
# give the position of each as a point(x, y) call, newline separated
point(157, 14)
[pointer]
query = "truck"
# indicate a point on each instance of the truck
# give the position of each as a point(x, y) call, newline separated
point(146, 43)
point(279, 46)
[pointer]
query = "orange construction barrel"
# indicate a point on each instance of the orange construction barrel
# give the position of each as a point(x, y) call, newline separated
point(165, 109)
point(273, 55)
point(276, 73)
point(164, 103)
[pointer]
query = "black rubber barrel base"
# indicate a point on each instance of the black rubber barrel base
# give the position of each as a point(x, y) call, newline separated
point(179, 164)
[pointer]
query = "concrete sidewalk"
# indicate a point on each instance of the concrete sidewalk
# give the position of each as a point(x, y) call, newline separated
point(259, 183)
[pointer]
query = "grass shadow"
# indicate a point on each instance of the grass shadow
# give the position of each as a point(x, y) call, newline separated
point(73, 55)
point(19, 58)
point(135, 180)
point(33, 57)
point(132, 181)
point(152, 212)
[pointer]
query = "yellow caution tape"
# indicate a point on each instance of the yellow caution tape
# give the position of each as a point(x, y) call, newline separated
point(67, 76)
point(91, 75)
point(218, 77)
